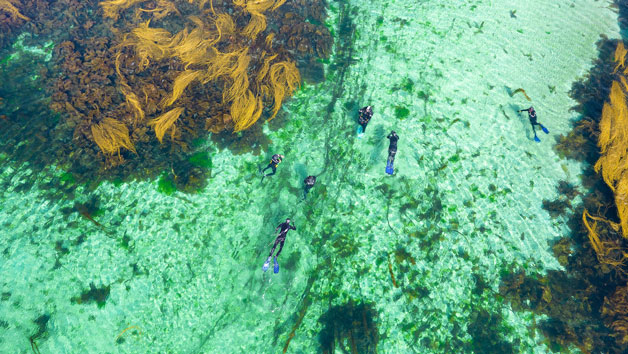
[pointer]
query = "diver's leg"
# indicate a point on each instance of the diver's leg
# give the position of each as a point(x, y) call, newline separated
point(391, 156)
point(270, 255)
point(280, 248)
point(273, 249)
point(536, 138)
point(274, 170)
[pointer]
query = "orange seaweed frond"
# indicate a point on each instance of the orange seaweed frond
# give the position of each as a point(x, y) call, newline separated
point(256, 25)
point(133, 102)
point(239, 78)
point(10, 7)
point(224, 25)
point(246, 110)
point(269, 40)
point(221, 64)
point(594, 238)
point(163, 9)
point(128, 328)
point(256, 5)
point(149, 43)
point(284, 79)
point(165, 122)
point(180, 83)
point(263, 71)
point(194, 47)
point(613, 137)
point(255, 8)
point(111, 135)
point(112, 8)
point(608, 252)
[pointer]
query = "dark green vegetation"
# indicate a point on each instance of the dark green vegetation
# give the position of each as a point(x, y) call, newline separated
point(401, 112)
point(351, 326)
point(93, 295)
point(166, 184)
point(201, 159)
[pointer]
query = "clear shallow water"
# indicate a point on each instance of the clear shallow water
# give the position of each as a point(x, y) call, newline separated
point(464, 204)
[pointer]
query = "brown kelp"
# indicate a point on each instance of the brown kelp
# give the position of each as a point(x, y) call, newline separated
point(170, 72)
point(198, 48)
point(613, 142)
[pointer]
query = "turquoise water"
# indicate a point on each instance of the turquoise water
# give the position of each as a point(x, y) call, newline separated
point(411, 261)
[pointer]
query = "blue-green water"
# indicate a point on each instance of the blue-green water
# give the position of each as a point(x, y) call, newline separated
point(420, 252)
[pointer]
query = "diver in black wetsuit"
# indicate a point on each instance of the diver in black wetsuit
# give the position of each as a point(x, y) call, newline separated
point(532, 117)
point(309, 182)
point(365, 116)
point(281, 238)
point(392, 148)
point(274, 161)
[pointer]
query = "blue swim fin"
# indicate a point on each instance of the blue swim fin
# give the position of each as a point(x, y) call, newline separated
point(389, 168)
point(266, 264)
point(360, 131)
point(544, 129)
point(275, 265)
point(536, 138)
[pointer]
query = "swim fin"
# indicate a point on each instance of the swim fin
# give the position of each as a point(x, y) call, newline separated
point(360, 131)
point(536, 138)
point(275, 265)
point(389, 167)
point(266, 264)
point(544, 129)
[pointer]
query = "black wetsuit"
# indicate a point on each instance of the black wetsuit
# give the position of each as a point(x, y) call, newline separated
point(532, 118)
point(309, 183)
point(365, 116)
point(281, 238)
point(274, 161)
point(392, 148)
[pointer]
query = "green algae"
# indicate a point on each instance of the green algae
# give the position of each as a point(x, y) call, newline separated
point(166, 184)
point(201, 159)
point(401, 112)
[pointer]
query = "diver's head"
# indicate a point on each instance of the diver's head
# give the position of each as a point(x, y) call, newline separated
point(288, 220)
